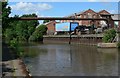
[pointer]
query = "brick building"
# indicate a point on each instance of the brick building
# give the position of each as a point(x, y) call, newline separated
point(51, 27)
point(119, 24)
point(116, 17)
point(88, 14)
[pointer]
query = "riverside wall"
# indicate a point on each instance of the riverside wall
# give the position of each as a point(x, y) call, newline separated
point(91, 39)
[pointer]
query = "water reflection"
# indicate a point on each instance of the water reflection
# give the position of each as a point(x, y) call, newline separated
point(71, 60)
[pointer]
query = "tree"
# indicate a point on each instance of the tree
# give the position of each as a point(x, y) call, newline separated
point(38, 34)
point(21, 29)
point(5, 16)
point(45, 21)
point(24, 28)
point(109, 35)
point(28, 27)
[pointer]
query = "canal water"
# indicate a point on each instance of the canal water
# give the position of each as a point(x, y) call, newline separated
point(50, 59)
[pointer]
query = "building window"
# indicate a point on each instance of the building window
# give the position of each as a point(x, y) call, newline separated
point(79, 16)
point(89, 15)
point(85, 16)
point(94, 16)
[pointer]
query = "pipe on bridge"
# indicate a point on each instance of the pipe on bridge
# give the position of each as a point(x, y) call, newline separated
point(55, 18)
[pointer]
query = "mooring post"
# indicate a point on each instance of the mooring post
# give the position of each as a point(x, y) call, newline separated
point(70, 34)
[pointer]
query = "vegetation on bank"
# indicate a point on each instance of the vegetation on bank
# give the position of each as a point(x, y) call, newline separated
point(118, 44)
point(109, 35)
point(38, 33)
point(15, 31)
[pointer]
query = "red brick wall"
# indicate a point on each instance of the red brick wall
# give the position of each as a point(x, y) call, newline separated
point(112, 23)
point(51, 27)
point(104, 12)
point(119, 25)
point(94, 15)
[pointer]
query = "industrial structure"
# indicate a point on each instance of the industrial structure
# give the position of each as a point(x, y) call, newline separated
point(89, 18)
point(89, 14)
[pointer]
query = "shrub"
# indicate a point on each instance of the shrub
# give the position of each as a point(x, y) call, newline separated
point(38, 33)
point(109, 35)
point(118, 44)
point(36, 36)
point(9, 34)
point(14, 45)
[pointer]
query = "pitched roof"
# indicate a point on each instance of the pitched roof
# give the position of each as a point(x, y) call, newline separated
point(116, 17)
point(102, 12)
point(81, 12)
point(89, 10)
point(46, 23)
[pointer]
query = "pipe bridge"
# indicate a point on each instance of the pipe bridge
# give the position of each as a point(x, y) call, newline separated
point(55, 18)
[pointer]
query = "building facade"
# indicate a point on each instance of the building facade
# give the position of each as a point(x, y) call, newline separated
point(89, 14)
point(50, 27)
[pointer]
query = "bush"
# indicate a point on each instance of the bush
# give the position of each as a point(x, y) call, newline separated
point(118, 44)
point(38, 33)
point(36, 36)
point(9, 34)
point(109, 35)
point(14, 45)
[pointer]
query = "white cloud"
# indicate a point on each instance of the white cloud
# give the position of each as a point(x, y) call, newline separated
point(64, 0)
point(30, 7)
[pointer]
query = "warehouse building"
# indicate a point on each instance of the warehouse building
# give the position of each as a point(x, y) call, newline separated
point(87, 14)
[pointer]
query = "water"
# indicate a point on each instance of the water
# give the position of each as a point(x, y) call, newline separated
point(70, 60)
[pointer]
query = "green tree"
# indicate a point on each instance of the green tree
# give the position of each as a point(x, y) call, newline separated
point(118, 44)
point(5, 16)
point(38, 34)
point(9, 34)
point(109, 35)
point(24, 28)
point(45, 21)
point(29, 26)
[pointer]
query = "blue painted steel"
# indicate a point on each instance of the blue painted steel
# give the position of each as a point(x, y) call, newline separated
point(66, 26)
point(73, 25)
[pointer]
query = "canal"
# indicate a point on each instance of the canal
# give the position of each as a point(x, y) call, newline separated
point(62, 59)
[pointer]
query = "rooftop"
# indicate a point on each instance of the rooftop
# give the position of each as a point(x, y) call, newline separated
point(86, 11)
point(116, 16)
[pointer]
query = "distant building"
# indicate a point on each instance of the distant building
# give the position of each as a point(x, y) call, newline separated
point(89, 14)
point(51, 27)
point(119, 25)
point(116, 17)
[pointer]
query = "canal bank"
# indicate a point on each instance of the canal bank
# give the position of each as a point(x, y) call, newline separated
point(12, 66)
